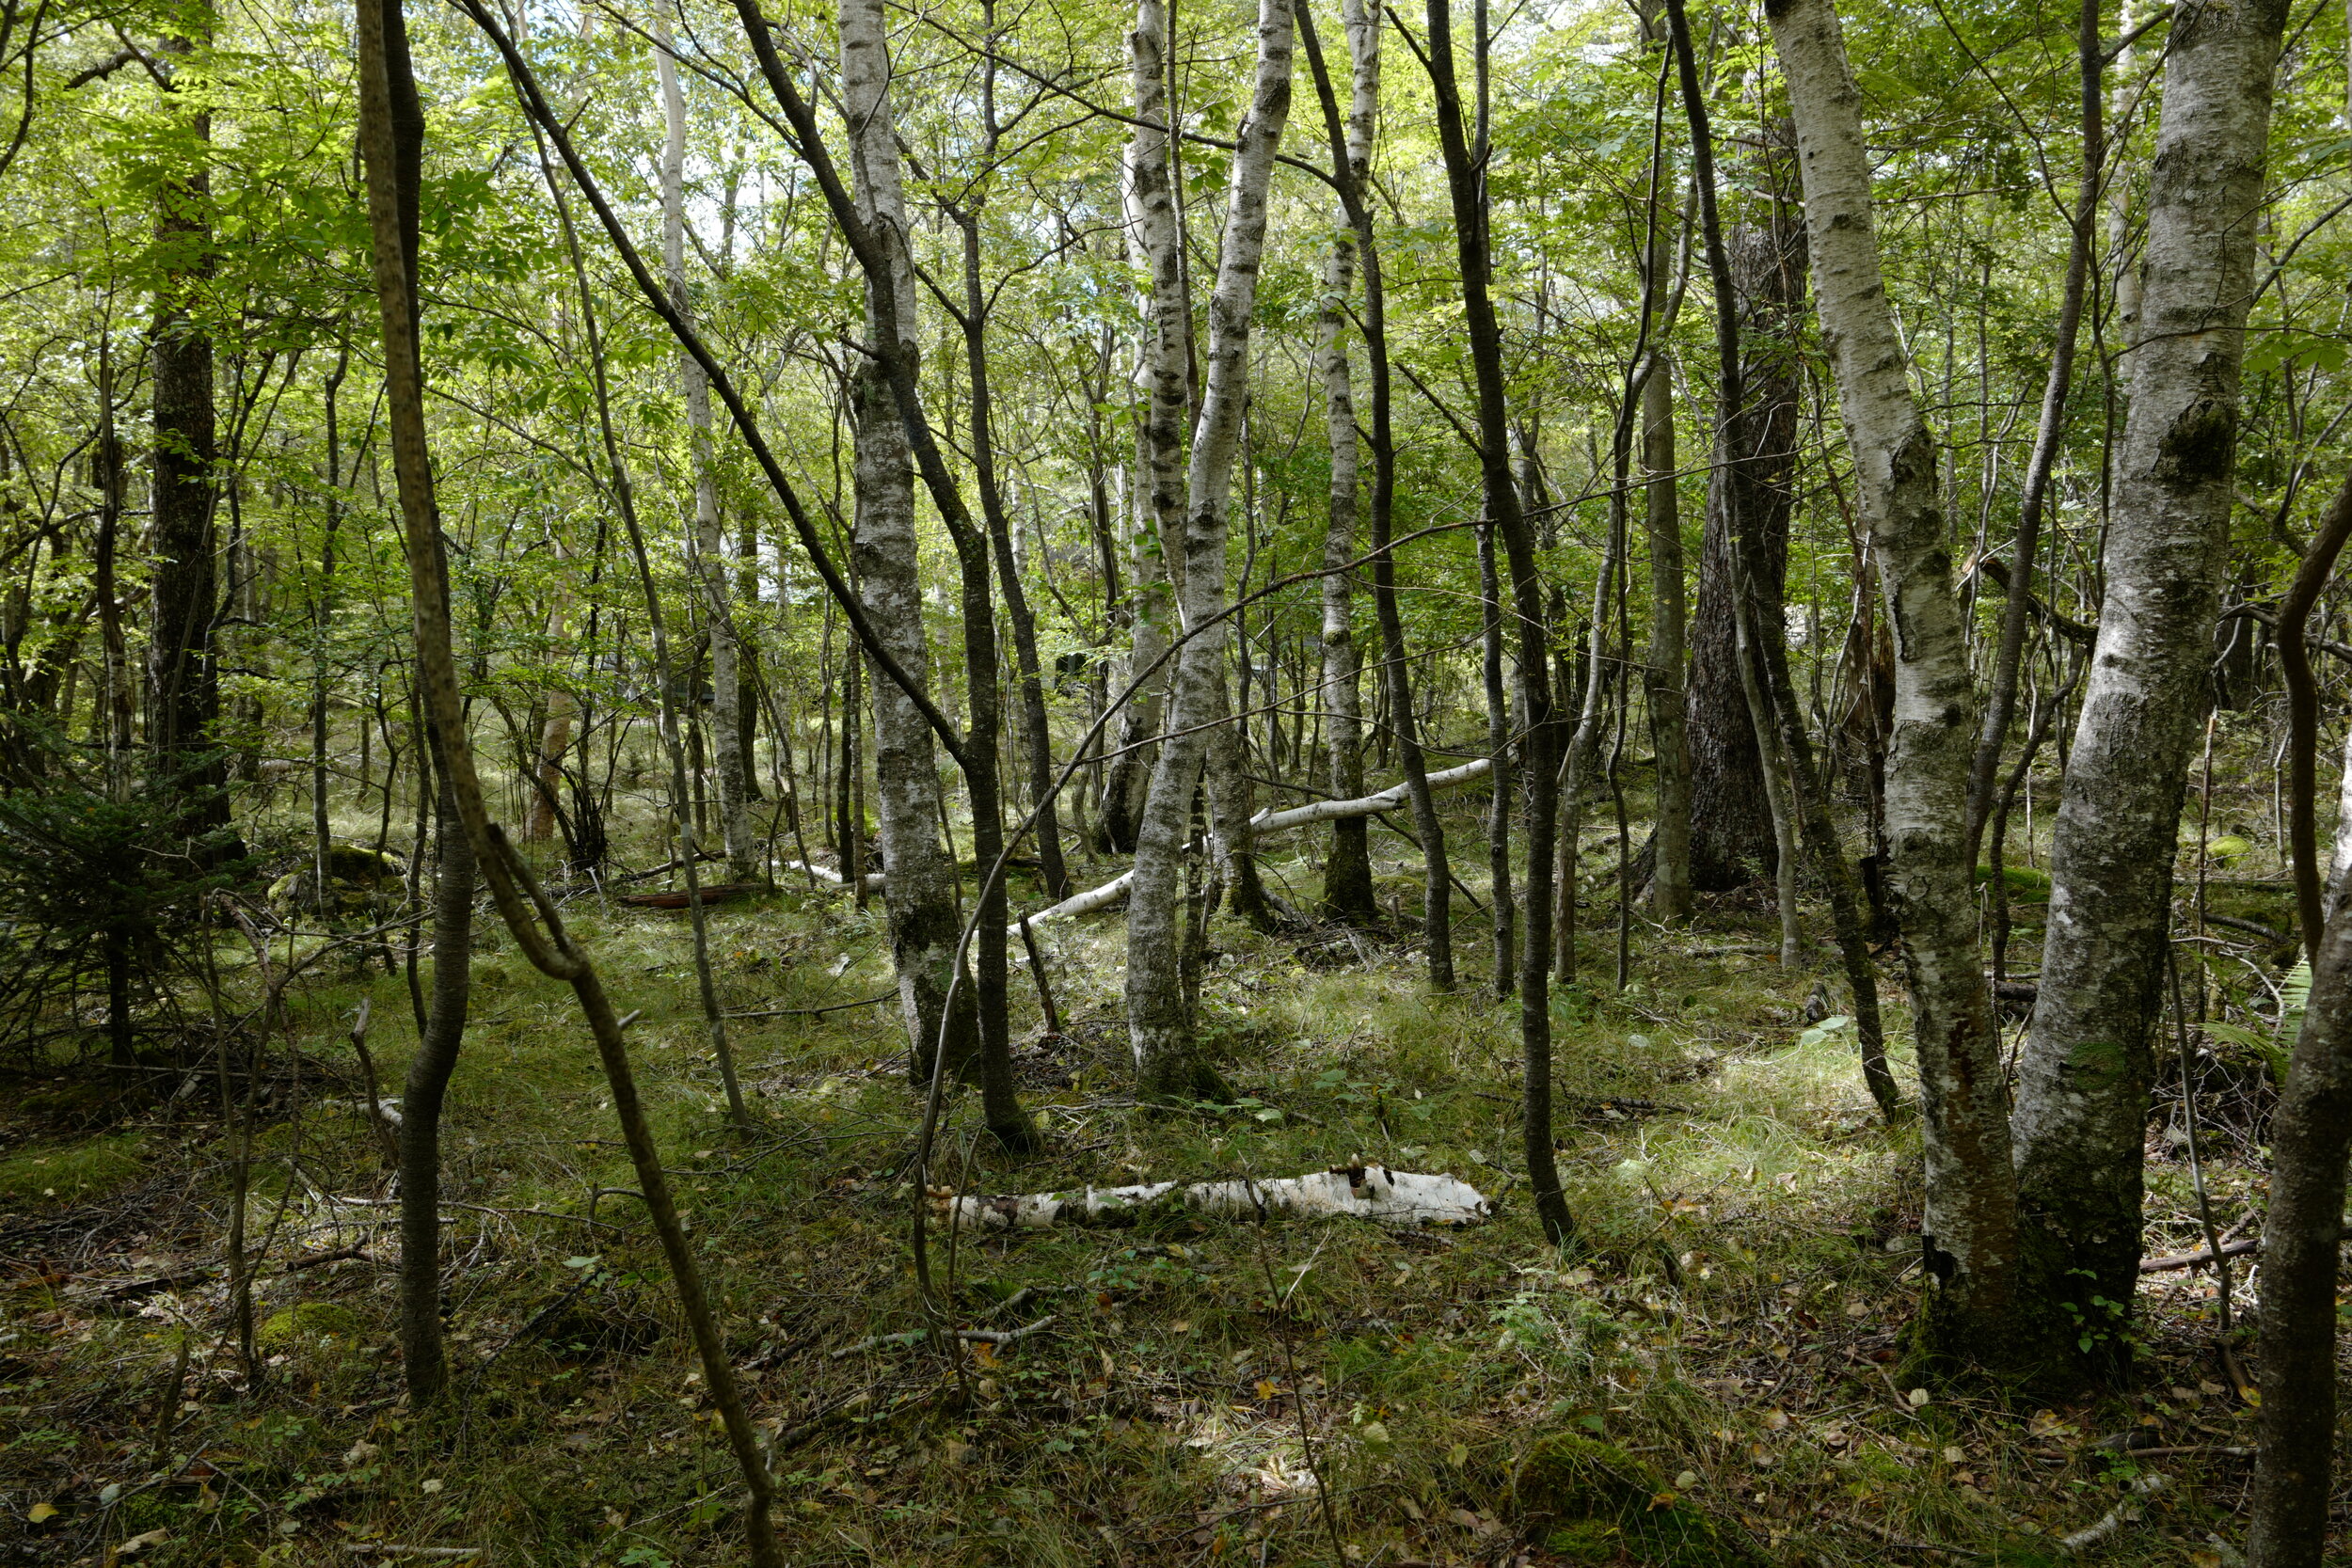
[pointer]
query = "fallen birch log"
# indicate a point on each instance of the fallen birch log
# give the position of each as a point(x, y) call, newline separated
point(826, 874)
point(1272, 821)
point(1084, 903)
point(1358, 1192)
point(998, 1336)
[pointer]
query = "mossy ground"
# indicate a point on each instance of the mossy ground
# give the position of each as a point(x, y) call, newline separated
point(1206, 1393)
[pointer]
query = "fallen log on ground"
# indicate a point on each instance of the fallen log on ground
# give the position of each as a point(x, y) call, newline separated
point(1271, 821)
point(2238, 1248)
point(828, 875)
point(1359, 1192)
point(718, 893)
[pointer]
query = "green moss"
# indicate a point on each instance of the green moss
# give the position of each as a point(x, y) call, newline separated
point(310, 1320)
point(2032, 883)
point(70, 1172)
point(1594, 1503)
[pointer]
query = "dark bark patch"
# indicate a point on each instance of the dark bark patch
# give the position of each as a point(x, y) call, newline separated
point(2200, 448)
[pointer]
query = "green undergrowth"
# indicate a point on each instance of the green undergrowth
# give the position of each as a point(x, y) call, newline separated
point(1705, 1377)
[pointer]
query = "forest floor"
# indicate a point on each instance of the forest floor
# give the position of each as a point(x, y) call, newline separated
point(1723, 1339)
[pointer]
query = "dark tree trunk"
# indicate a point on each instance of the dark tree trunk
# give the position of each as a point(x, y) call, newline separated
point(183, 684)
point(1731, 821)
point(429, 1073)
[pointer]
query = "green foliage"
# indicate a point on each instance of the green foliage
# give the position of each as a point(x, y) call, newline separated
point(80, 861)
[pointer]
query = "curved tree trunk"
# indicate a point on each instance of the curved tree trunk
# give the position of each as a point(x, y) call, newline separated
point(1539, 750)
point(429, 1071)
point(2085, 1071)
point(1970, 1232)
point(2309, 1133)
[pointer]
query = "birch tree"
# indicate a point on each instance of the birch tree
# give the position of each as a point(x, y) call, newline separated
point(1347, 870)
point(1969, 1234)
point(2084, 1072)
point(1158, 1027)
point(909, 805)
point(1156, 521)
point(727, 681)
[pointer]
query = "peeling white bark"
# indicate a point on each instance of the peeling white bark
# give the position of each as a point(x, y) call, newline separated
point(1403, 1199)
point(2340, 861)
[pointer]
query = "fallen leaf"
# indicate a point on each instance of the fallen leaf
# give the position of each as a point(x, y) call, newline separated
point(1954, 1456)
point(1918, 1398)
point(1684, 1482)
point(42, 1512)
point(429, 1487)
point(139, 1544)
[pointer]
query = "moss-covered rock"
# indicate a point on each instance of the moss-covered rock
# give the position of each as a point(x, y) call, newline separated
point(1593, 1502)
point(307, 1321)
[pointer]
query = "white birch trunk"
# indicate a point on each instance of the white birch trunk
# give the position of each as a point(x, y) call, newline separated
point(923, 924)
point(726, 717)
point(1970, 1232)
point(2084, 1072)
point(2340, 860)
point(1348, 872)
point(1158, 517)
point(1347, 891)
point(1158, 1027)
